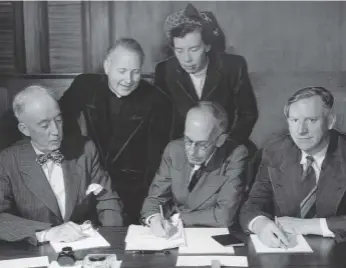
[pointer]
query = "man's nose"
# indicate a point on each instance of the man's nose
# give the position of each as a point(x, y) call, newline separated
point(186, 56)
point(302, 128)
point(54, 128)
point(129, 78)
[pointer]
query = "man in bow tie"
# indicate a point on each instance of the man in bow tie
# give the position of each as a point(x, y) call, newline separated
point(200, 176)
point(49, 185)
point(301, 181)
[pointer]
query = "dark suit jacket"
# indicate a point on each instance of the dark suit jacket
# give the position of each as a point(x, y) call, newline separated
point(276, 189)
point(130, 141)
point(227, 83)
point(215, 199)
point(28, 204)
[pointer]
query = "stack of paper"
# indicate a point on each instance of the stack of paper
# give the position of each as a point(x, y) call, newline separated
point(141, 238)
point(239, 261)
point(302, 246)
point(94, 240)
point(26, 262)
point(200, 241)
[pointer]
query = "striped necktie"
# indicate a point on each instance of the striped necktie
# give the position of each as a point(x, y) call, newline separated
point(308, 190)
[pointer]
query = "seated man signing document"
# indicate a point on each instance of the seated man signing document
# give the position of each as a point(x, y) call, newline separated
point(302, 177)
point(48, 186)
point(200, 176)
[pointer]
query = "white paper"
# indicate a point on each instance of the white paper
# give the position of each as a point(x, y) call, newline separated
point(302, 246)
point(140, 237)
point(200, 241)
point(95, 240)
point(239, 261)
point(25, 262)
point(79, 264)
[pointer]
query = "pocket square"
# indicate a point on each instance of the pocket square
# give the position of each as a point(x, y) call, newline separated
point(94, 188)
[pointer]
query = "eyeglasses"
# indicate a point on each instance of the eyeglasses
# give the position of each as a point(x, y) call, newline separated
point(200, 145)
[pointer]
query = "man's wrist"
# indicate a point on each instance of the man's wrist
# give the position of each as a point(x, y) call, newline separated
point(42, 236)
point(149, 218)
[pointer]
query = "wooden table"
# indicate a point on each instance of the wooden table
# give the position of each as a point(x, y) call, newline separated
point(326, 253)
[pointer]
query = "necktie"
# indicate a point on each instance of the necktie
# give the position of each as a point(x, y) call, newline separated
point(56, 156)
point(308, 189)
point(195, 178)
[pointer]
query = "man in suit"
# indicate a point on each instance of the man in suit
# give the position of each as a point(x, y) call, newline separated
point(197, 72)
point(48, 185)
point(301, 179)
point(128, 118)
point(200, 176)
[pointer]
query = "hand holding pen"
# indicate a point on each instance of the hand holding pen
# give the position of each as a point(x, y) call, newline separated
point(159, 225)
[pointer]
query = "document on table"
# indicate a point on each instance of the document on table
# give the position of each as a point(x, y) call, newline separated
point(239, 261)
point(200, 241)
point(25, 262)
point(302, 246)
point(94, 240)
point(140, 237)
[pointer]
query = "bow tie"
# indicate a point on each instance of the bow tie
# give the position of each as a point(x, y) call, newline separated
point(56, 156)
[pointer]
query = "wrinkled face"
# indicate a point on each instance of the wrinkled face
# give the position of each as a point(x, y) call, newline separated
point(200, 139)
point(190, 51)
point(123, 69)
point(42, 122)
point(309, 123)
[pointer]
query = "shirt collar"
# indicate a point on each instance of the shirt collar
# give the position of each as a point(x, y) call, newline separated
point(318, 157)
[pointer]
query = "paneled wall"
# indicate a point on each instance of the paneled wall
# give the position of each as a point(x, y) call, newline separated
point(73, 36)
point(287, 45)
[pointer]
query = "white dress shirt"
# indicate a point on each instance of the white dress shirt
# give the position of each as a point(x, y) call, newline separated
point(198, 80)
point(55, 177)
point(317, 166)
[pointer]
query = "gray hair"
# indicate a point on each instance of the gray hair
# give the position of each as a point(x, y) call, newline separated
point(217, 111)
point(128, 43)
point(24, 96)
point(308, 92)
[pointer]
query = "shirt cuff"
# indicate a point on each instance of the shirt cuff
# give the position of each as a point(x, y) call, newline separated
point(147, 219)
point(250, 227)
point(325, 230)
point(41, 236)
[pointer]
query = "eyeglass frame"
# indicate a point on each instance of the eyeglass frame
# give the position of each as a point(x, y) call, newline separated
point(189, 143)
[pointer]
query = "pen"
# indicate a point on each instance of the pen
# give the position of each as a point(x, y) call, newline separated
point(280, 227)
point(161, 212)
point(144, 252)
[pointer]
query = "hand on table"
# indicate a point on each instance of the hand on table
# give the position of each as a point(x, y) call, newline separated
point(300, 226)
point(66, 232)
point(269, 233)
point(161, 227)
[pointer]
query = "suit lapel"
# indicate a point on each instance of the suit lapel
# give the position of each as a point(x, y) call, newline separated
point(213, 77)
point(210, 181)
point(72, 180)
point(184, 82)
point(332, 180)
point(286, 179)
point(35, 179)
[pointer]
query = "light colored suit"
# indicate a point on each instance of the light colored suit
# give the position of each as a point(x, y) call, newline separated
point(215, 199)
point(27, 201)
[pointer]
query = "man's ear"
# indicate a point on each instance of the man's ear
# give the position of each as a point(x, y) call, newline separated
point(221, 140)
point(23, 128)
point(106, 65)
point(331, 120)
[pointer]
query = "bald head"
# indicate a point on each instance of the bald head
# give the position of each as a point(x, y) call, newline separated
point(39, 117)
point(31, 99)
point(207, 117)
point(204, 127)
